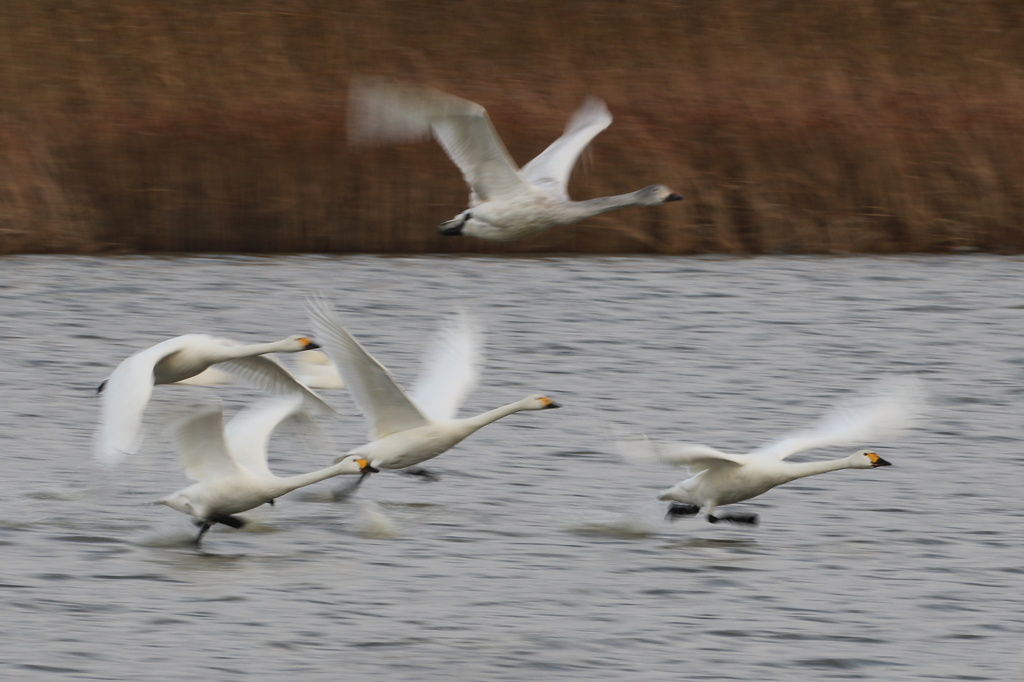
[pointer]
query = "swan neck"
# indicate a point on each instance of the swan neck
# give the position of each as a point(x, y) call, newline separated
point(804, 469)
point(601, 205)
point(289, 483)
point(253, 349)
point(482, 420)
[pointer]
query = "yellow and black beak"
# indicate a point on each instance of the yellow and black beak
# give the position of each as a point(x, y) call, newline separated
point(366, 468)
point(311, 345)
point(551, 404)
point(877, 461)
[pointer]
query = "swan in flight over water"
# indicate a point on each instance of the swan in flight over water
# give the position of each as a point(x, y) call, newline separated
point(406, 430)
point(229, 463)
point(126, 392)
point(719, 478)
point(505, 202)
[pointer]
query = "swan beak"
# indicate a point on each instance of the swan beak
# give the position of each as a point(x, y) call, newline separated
point(877, 461)
point(366, 468)
point(673, 197)
point(551, 405)
point(311, 345)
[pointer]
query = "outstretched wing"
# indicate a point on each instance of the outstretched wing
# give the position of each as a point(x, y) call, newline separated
point(552, 168)
point(248, 433)
point(201, 446)
point(381, 110)
point(693, 456)
point(266, 373)
point(383, 401)
point(124, 397)
point(451, 369)
point(888, 407)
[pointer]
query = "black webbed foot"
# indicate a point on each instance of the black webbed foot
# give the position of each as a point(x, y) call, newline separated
point(422, 473)
point(227, 520)
point(678, 510)
point(344, 492)
point(739, 518)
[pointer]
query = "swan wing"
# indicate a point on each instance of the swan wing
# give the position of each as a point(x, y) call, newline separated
point(268, 374)
point(315, 370)
point(451, 369)
point(383, 401)
point(552, 168)
point(890, 406)
point(248, 433)
point(693, 456)
point(381, 110)
point(201, 445)
point(124, 397)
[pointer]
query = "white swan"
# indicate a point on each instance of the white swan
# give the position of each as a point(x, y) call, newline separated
point(229, 464)
point(719, 479)
point(505, 202)
point(127, 390)
point(404, 430)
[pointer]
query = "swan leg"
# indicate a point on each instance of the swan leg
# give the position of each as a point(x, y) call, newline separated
point(739, 518)
point(344, 492)
point(203, 527)
point(422, 473)
point(678, 510)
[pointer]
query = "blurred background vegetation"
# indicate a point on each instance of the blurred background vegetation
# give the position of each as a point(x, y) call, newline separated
point(836, 126)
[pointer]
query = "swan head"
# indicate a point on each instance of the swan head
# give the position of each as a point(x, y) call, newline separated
point(354, 464)
point(539, 402)
point(867, 459)
point(653, 195)
point(299, 342)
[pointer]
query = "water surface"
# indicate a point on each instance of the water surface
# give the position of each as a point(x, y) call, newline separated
point(539, 554)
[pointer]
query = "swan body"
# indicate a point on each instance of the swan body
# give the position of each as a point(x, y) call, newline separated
point(720, 479)
point(127, 390)
point(229, 464)
point(506, 202)
point(407, 430)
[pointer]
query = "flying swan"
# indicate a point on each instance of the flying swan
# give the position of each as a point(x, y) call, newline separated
point(229, 463)
point(127, 390)
point(720, 479)
point(407, 430)
point(505, 202)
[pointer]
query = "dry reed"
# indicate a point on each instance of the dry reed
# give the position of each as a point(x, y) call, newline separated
point(841, 126)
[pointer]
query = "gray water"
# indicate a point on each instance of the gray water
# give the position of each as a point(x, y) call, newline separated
point(539, 554)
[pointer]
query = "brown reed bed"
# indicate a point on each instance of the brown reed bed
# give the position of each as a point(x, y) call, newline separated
point(844, 126)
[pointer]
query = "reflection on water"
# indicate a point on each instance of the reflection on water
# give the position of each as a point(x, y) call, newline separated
point(538, 554)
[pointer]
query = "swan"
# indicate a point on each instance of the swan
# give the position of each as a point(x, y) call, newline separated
point(128, 388)
point(720, 479)
point(406, 430)
point(229, 463)
point(505, 202)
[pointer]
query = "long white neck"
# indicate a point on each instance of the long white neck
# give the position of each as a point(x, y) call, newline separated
point(592, 207)
point(797, 470)
point(249, 350)
point(482, 420)
point(287, 484)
